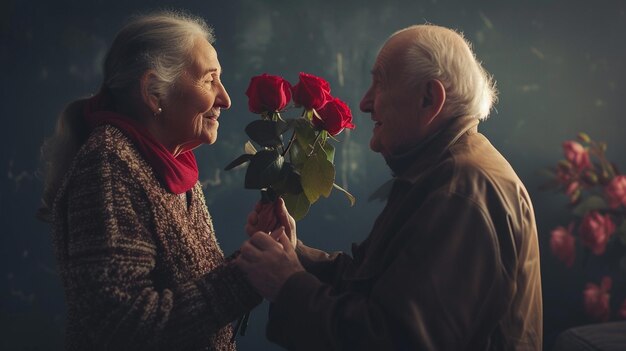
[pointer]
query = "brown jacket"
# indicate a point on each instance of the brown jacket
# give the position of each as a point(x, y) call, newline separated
point(452, 262)
point(141, 267)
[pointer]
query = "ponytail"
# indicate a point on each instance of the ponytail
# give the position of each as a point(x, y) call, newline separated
point(58, 151)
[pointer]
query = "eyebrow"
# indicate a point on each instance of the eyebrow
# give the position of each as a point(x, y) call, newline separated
point(377, 74)
point(211, 70)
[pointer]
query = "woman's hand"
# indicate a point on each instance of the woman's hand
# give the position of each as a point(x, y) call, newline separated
point(262, 219)
point(267, 217)
point(285, 220)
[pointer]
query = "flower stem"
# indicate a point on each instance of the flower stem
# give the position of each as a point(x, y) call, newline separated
point(293, 137)
point(317, 138)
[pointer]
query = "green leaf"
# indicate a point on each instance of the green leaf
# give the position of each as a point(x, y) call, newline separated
point(248, 148)
point(297, 155)
point(264, 169)
point(290, 180)
point(290, 123)
point(298, 205)
point(305, 134)
point(266, 133)
point(565, 164)
point(584, 137)
point(330, 152)
point(350, 197)
point(318, 176)
point(238, 161)
point(591, 203)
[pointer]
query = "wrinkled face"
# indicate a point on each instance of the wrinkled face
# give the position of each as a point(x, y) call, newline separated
point(190, 114)
point(392, 103)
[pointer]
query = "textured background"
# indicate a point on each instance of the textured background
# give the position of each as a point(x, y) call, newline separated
point(560, 67)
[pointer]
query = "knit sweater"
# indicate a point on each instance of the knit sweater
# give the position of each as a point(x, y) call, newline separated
point(141, 266)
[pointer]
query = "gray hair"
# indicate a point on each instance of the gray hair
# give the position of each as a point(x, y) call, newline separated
point(161, 42)
point(443, 54)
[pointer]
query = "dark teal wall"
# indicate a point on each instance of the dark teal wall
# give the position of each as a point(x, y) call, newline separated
point(560, 68)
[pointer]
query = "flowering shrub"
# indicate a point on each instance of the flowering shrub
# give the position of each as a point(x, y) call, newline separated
point(596, 299)
point(597, 199)
point(302, 170)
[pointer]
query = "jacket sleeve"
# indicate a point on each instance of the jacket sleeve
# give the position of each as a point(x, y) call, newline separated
point(325, 266)
point(446, 281)
point(109, 263)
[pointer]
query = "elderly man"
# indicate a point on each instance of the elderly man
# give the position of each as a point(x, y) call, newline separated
point(452, 262)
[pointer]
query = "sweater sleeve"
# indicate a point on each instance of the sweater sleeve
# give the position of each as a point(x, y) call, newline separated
point(429, 298)
point(109, 264)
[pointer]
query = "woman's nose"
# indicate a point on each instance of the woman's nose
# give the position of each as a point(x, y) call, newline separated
point(222, 99)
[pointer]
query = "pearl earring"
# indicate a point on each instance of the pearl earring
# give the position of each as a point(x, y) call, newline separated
point(158, 112)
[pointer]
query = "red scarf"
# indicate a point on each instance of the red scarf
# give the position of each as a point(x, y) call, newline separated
point(178, 174)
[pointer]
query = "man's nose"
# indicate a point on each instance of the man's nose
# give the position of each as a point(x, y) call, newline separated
point(366, 101)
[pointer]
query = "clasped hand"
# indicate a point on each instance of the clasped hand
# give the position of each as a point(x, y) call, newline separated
point(268, 258)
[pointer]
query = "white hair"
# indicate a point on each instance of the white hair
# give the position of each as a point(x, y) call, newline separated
point(443, 54)
point(161, 42)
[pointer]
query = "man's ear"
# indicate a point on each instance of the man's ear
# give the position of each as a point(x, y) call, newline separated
point(434, 97)
point(146, 84)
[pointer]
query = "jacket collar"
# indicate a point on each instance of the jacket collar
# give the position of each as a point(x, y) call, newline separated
point(410, 165)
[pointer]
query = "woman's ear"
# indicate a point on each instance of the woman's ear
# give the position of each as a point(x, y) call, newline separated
point(146, 87)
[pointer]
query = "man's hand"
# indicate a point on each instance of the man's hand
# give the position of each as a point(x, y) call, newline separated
point(268, 217)
point(268, 261)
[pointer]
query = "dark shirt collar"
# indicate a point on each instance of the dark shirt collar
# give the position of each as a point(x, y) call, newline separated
point(410, 164)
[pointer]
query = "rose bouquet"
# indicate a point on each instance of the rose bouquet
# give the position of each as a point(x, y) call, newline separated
point(302, 169)
point(597, 199)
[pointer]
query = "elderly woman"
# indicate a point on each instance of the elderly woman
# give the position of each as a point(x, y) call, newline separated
point(135, 243)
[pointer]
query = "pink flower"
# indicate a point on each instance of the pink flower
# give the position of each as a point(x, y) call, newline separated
point(616, 191)
point(563, 175)
point(572, 191)
point(562, 244)
point(577, 155)
point(595, 231)
point(622, 310)
point(571, 188)
point(596, 300)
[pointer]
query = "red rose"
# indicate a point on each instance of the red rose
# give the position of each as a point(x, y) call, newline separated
point(311, 92)
point(335, 116)
point(616, 191)
point(267, 93)
point(596, 300)
point(577, 155)
point(595, 231)
point(562, 244)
